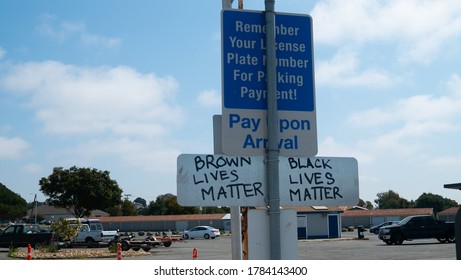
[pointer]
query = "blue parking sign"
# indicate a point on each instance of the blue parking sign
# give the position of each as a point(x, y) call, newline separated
point(244, 61)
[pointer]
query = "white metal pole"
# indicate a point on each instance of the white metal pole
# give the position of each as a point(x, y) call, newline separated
point(227, 4)
point(273, 201)
point(236, 226)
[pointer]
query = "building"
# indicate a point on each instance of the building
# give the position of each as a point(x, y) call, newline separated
point(316, 222)
point(313, 222)
point(369, 218)
point(448, 215)
point(50, 213)
point(164, 223)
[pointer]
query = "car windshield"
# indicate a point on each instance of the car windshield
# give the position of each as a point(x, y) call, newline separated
point(404, 221)
point(31, 229)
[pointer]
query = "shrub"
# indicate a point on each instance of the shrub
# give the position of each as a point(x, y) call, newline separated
point(113, 247)
point(64, 230)
point(49, 248)
point(12, 251)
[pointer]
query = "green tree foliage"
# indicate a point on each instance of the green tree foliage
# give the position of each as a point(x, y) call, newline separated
point(167, 204)
point(141, 201)
point(64, 230)
point(435, 201)
point(215, 210)
point(128, 208)
point(12, 205)
point(81, 190)
point(392, 200)
point(369, 205)
point(115, 210)
point(365, 204)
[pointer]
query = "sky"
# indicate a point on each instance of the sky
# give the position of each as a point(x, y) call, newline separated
point(127, 86)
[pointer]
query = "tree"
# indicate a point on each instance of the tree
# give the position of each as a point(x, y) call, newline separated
point(12, 205)
point(215, 210)
point(140, 201)
point(366, 204)
point(392, 200)
point(115, 210)
point(435, 201)
point(64, 229)
point(81, 190)
point(167, 204)
point(128, 208)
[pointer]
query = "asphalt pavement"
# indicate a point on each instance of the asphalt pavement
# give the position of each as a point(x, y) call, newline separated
point(349, 247)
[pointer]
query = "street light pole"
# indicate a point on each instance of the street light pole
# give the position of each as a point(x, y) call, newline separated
point(35, 208)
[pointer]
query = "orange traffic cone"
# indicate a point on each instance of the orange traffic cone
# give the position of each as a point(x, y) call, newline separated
point(29, 252)
point(194, 254)
point(119, 251)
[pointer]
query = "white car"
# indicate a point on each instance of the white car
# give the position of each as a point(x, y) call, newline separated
point(206, 232)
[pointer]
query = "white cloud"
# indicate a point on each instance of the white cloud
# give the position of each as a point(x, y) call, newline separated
point(454, 86)
point(209, 98)
point(112, 112)
point(32, 168)
point(403, 127)
point(421, 28)
point(12, 148)
point(140, 154)
point(440, 112)
point(78, 100)
point(50, 26)
point(98, 40)
point(331, 147)
point(2, 53)
point(445, 162)
point(404, 141)
point(343, 70)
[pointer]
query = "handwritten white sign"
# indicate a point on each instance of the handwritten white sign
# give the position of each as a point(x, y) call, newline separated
point(218, 180)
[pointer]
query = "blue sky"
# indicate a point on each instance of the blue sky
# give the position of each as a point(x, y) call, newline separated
point(127, 86)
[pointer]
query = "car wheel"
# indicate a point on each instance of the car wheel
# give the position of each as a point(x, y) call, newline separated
point(388, 242)
point(397, 239)
point(186, 236)
point(36, 245)
point(89, 243)
point(206, 236)
point(125, 246)
point(451, 237)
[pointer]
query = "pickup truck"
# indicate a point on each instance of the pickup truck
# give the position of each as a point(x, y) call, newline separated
point(417, 227)
point(91, 234)
point(21, 235)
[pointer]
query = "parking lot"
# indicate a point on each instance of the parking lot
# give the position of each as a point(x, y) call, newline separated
point(346, 248)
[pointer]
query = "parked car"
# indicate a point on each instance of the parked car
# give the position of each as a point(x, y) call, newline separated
point(21, 235)
point(418, 227)
point(45, 222)
point(201, 232)
point(376, 228)
point(91, 233)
